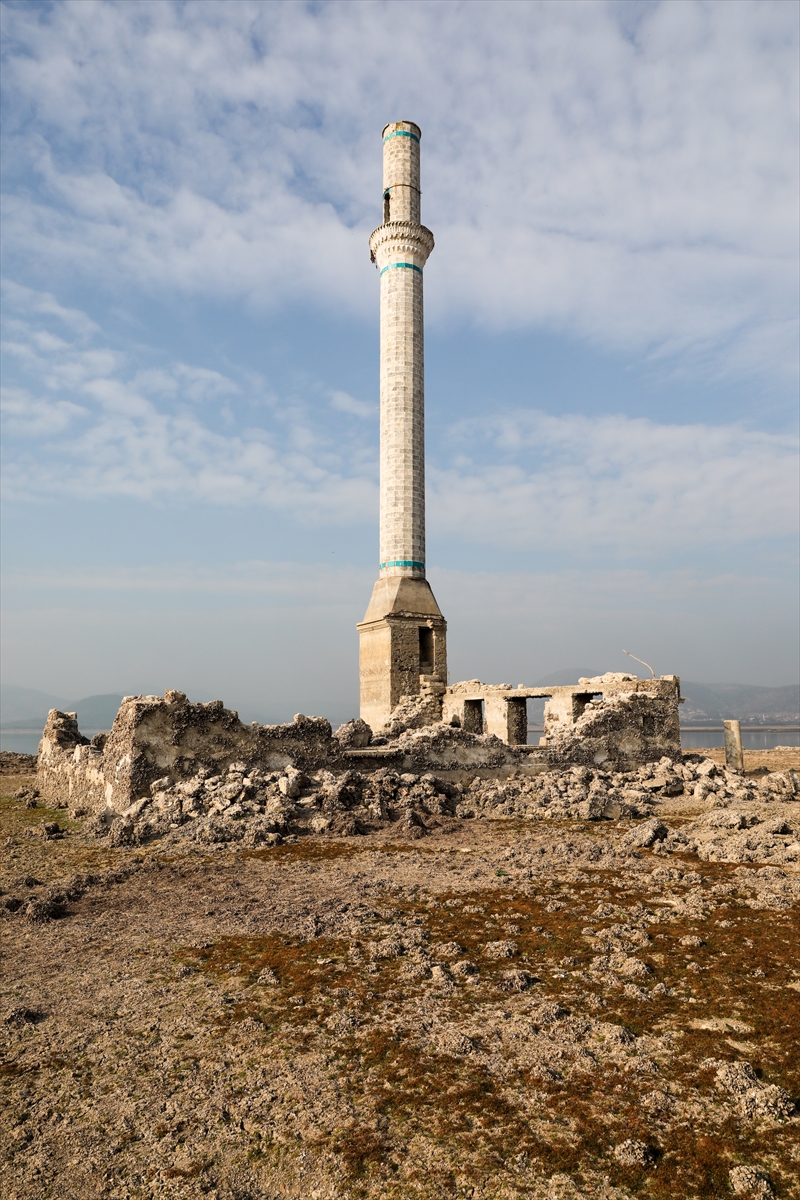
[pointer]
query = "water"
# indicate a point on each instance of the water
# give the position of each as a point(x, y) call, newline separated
point(27, 741)
point(752, 739)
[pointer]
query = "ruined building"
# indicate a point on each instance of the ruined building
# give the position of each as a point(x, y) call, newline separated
point(167, 751)
point(403, 648)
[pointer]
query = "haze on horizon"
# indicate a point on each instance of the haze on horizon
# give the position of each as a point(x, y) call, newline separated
point(190, 339)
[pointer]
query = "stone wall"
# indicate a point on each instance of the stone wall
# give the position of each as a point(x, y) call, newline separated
point(70, 767)
point(156, 738)
point(161, 743)
point(614, 718)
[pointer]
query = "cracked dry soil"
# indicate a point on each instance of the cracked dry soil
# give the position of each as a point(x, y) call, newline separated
point(506, 1009)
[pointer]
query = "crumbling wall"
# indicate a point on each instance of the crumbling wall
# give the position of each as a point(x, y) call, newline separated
point(168, 739)
point(160, 744)
point(69, 766)
point(621, 730)
point(614, 718)
point(414, 712)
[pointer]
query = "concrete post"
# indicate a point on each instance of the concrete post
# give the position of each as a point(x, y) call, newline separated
point(734, 754)
point(403, 632)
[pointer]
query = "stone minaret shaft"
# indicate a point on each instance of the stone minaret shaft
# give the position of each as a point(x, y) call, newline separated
point(400, 247)
point(403, 633)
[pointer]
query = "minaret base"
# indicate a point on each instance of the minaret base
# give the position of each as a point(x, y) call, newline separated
point(403, 646)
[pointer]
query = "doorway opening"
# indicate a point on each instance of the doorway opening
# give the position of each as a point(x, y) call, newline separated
point(473, 716)
point(425, 650)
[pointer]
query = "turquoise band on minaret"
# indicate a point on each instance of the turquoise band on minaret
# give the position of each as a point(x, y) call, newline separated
point(408, 267)
point(401, 133)
point(402, 562)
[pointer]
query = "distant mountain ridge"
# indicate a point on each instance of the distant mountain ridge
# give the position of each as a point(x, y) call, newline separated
point(26, 708)
point(739, 702)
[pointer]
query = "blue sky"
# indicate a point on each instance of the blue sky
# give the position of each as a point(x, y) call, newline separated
point(190, 343)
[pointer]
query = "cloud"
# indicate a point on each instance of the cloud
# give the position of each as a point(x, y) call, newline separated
point(628, 177)
point(342, 402)
point(25, 300)
point(90, 425)
point(88, 421)
point(614, 482)
point(32, 417)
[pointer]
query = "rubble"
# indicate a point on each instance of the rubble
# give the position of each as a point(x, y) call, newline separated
point(749, 1181)
point(170, 768)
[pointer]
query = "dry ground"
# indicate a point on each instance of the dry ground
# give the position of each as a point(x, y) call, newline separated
point(504, 1009)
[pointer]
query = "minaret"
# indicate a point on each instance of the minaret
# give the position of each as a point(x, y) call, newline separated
point(403, 649)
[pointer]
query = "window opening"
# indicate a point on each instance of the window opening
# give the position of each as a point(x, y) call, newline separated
point(387, 197)
point(425, 650)
point(580, 701)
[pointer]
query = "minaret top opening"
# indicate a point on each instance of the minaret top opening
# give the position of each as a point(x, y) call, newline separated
point(401, 171)
point(407, 127)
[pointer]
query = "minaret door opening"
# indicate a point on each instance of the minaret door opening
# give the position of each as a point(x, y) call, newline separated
point(387, 205)
point(426, 660)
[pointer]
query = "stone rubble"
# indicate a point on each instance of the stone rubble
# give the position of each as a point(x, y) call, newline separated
point(254, 807)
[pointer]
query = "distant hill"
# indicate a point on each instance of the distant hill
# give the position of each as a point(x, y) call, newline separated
point(739, 702)
point(20, 703)
point(26, 708)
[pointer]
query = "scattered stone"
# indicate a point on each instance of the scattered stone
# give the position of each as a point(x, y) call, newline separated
point(14, 763)
point(354, 735)
point(464, 969)
point(633, 1153)
point(749, 1181)
point(517, 981)
point(502, 949)
point(25, 1016)
point(754, 1100)
point(122, 832)
point(28, 795)
point(42, 910)
point(449, 950)
point(452, 1041)
point(647, 833)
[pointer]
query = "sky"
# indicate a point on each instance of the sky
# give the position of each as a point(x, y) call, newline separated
point(190, 339)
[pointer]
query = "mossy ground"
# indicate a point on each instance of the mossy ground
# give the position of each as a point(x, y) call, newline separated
point(229, 1024)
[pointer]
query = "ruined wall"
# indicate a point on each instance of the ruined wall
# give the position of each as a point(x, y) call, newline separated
point(158, 743)
point(70, 767)
point(155, 738)
point(626, 725)
point(614, 718)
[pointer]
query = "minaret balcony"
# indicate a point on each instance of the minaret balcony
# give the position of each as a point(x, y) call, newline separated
point(400, 237)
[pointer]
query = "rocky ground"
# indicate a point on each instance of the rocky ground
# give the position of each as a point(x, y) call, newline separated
point(588, 986)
